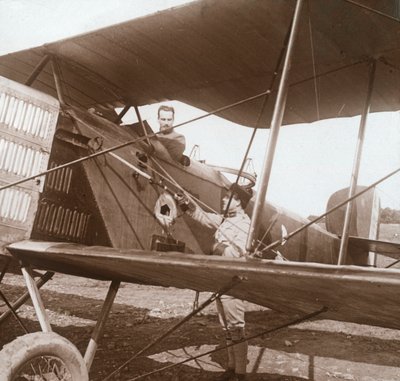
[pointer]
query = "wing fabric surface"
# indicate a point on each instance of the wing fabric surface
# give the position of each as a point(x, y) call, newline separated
point(350, 293)
point(212, 53)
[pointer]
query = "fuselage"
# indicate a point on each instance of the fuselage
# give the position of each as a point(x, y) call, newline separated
point(104, 201)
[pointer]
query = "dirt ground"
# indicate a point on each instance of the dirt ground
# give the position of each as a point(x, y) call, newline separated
point(316, 350)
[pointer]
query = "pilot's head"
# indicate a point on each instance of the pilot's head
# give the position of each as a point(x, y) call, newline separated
point(166, 116)
point(240, 198)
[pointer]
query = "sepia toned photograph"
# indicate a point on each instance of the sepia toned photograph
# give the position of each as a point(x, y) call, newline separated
point(200, 190)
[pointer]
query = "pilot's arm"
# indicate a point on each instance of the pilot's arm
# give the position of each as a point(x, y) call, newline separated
point(223, 246)
point(210, 220)
point(231, 236)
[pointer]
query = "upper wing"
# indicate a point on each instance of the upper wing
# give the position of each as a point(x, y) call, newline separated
point(348, 292)
point(212, 53)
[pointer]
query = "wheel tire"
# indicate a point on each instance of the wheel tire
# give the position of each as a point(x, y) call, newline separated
point(26, 348)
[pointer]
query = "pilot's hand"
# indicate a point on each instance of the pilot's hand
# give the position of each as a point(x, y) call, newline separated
point(219, 248)
point(149, 149)
point(182, 201)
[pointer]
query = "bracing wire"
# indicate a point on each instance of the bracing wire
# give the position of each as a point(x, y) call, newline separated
point(397, 19)
point(313, 62)
point(396, 201)
point(167, 177)
point(259, 334)
point(203, 204)
point(130, 142)
point(263, 106)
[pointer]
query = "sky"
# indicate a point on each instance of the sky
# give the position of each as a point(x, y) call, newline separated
point(312, 160)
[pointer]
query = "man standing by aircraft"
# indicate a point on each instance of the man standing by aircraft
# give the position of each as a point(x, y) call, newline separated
point(230, 241)
point(174, 142)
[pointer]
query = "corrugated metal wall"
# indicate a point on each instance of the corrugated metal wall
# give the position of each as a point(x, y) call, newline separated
point(27, 124)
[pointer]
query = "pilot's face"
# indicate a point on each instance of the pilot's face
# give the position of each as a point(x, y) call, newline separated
point(233, 206)
point(166, 121)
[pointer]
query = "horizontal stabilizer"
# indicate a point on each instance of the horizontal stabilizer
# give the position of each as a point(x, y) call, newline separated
point(391, 249)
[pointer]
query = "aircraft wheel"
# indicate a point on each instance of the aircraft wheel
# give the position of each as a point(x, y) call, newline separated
point(42, 356)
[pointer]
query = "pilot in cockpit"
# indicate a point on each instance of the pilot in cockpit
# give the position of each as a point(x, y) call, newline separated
point(173, 141)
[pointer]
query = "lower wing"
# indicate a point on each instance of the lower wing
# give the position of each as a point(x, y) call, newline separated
point(349, 293)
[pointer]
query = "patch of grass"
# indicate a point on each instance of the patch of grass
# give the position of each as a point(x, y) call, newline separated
point(389, 232)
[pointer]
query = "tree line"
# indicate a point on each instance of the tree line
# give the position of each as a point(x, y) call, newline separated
point(390, 216)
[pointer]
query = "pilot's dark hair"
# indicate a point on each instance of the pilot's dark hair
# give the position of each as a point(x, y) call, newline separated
point(165, 108)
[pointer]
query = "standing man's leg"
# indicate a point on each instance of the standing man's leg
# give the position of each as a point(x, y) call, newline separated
point(231, 314)
point(230, 371)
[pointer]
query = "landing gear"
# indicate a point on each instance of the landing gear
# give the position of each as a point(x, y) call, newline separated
point(42, 356)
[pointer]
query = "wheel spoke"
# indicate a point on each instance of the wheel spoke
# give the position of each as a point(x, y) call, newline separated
point(42, 356)
point(44, 368)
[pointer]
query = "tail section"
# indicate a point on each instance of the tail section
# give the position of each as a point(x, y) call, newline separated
point(364, 221)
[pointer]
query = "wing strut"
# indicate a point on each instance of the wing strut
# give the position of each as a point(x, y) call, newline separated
point(336, 207)
point(264, 104)
point(36, 299)
point(57, 79)
point(122, 113)
point(356, 166)
point(276, 123)
point(98, 330)
point(13, 307)
point(37, 70)
point(143, 127)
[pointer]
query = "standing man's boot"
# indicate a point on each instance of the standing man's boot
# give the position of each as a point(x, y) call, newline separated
point(230, 372)
point(240, 351)
point(228, 375)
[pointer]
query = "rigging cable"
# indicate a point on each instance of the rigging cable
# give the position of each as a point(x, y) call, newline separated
point(395, 200)
point(167, 177)
point(222, 291)
point(130, 142)
point(137, 140)
point(305, 226)
point(219, 348)
point(372, 10)
point(263, 106)
point(313, 61)
point(100, 153)
point(198, 201)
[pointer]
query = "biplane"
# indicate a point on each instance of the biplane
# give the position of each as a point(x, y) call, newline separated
point(80, 191)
